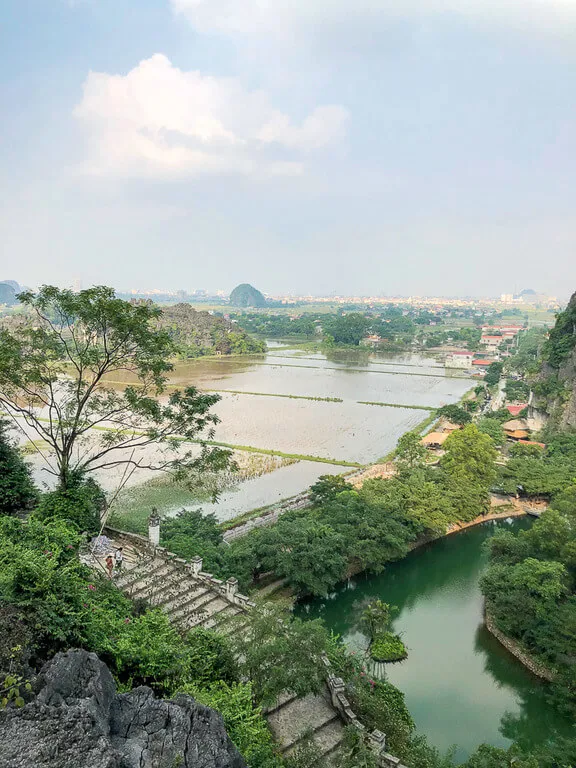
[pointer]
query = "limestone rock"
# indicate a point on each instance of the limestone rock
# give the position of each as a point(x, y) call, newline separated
point(78, 721)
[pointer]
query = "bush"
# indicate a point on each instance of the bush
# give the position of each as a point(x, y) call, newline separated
point(81, 502)
point(388, 647)
point(17, 491)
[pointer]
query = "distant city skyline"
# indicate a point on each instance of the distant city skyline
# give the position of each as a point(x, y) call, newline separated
point(351, 146)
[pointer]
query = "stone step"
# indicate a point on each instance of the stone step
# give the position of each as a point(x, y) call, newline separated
point(327, 737)
point(330, 736)
point(188, 603)
point(220, 617)
point(200, 612)
point(156, 578)
point(177, 589)
point(308, 713)
point(136, 574)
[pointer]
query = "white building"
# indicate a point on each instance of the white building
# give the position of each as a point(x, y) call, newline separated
point(459, 360)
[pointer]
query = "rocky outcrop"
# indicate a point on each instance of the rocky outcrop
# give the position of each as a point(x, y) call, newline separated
point(77, 720)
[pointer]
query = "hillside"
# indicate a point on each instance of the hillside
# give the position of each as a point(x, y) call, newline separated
point(8, 291)
point(199, 333)
point(246, 295)
point(556, 385)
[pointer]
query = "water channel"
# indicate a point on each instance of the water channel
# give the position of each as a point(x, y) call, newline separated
point(462, 687)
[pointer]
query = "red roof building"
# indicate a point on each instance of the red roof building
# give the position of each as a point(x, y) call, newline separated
point(515, 409)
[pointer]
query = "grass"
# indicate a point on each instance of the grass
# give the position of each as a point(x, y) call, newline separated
point(134, 505)
point(398, 405)
point(387, 647)
point(364, 370)
point(276, 394)
point(272, 452)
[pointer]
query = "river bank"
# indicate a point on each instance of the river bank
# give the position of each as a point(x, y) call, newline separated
point(526, 659)
point(460, 684)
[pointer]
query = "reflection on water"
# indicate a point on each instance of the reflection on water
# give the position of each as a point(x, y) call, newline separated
point(461, 685)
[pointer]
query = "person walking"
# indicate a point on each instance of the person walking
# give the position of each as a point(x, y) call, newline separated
point(109, 565)
point(118, 558)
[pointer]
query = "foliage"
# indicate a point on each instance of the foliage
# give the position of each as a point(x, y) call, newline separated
point(196, 334)
point(492, 428)
point(55, 370)
point(191, 533)
point(346, 329)
point(468, 471)
point(516, 390)
point(17, 491)
point(410, 453)
point(279, 653)
point(387, 647)
point(493, 373)
point(327, 487)
point(244, 722)
point(81, 502)
point(529, 589)
point(454, 414)
point(562, 338)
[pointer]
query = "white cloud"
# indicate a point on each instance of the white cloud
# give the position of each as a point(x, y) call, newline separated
point(283, 19)
point(159, 121)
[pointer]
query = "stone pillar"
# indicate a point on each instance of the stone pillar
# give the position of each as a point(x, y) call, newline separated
point(336, 686)
point(231, 588)
point(378, 742)
point(154, 528)
point(197, 563)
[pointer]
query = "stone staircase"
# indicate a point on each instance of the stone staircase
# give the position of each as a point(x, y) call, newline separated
point(190, 597)
point(293, 720)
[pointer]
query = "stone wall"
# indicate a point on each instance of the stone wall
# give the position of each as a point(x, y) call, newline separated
point(516, 650)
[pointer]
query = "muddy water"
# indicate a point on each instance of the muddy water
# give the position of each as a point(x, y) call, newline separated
point(345, 431)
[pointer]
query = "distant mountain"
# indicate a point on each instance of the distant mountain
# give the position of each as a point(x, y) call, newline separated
point(246, 295)
point(8, 291)
point(199, 333)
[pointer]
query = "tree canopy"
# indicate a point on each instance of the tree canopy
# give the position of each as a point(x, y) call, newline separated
point(57, 374)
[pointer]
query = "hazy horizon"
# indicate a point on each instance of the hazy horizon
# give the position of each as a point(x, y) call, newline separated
point(356, 148)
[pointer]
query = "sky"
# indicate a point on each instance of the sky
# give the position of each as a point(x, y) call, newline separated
point(371, 147)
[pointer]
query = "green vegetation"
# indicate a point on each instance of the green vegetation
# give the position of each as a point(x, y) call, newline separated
point(530, 591)
point(534, 472)
point(351, 530)
point(562, 338)
point(198, 334)
point(398, 405)
point(275, 394)
point(455, 414)
point(17, 491)
point(52, 374)
point(493, 374)
point(387, 647)
point(245, 295)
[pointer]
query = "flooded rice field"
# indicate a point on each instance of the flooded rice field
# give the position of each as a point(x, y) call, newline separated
point(268, 404)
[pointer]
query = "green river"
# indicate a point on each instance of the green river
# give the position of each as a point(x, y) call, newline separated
point(462, 687)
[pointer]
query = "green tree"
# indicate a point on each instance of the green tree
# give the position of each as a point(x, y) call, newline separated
point(410, 453)
point(493, 373)
point(56, 372)
point(455, 414)
point(469, 470)
point(327, 487)
point(280, 654)
point(493, 429)
point(347, 329)
point(81, 502)
point(17, 491)
point(375, 618)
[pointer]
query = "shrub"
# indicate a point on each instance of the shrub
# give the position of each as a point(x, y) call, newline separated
point(387, 647)
point(81, 503)
point(17, 491)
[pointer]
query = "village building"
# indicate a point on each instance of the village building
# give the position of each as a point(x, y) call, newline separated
point(460, 359)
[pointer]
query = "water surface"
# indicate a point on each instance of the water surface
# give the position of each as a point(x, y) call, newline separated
point(462, 687)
